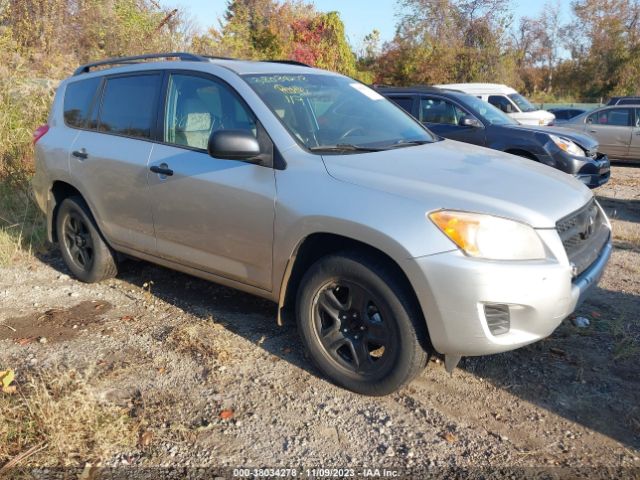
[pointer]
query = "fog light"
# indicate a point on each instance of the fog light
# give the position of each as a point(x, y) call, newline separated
point(497, 316)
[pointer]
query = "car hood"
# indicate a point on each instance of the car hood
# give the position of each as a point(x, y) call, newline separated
point(533, 117)
point(587, 142)
point(455, 175)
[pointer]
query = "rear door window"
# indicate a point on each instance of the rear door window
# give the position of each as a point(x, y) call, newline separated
point(129, 105)
point(78, 98)
point(614, 117)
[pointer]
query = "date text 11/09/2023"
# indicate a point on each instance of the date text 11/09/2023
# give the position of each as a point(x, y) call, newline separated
point(315, 473)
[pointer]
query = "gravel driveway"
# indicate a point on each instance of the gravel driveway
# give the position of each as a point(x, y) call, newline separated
point(206, 378)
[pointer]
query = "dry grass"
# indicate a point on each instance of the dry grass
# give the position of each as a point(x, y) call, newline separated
point(59, 410)
point(198, 341)
point(627, 338)
point(22, 226)
point(626, 235)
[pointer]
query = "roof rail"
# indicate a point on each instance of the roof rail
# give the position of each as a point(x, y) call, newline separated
point(189, 57)
point(289, 62)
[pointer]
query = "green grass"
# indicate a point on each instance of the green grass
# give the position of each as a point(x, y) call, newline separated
point(627, 340)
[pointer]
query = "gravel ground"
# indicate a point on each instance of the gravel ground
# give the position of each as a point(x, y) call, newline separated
point(214, 382)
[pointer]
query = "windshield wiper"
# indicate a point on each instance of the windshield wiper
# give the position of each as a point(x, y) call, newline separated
point(407, 143)
point(344, 147)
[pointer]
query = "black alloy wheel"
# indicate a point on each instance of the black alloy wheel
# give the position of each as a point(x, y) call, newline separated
point(352, 328)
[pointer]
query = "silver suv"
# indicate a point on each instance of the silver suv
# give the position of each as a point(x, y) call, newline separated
point(310, 189)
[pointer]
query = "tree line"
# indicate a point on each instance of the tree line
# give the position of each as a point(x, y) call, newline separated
point(593, 55)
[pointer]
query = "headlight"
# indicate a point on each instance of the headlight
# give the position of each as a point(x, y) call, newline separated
point(489, 237)
point(567, 145)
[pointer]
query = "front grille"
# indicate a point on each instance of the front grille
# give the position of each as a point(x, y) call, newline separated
point(584, 233)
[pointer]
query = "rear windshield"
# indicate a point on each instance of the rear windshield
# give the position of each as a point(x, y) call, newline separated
point(78, 98)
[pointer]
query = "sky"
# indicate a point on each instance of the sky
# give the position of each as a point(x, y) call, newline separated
point(359, 16)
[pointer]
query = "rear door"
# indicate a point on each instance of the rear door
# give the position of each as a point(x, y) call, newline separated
point(109, 158)
point(443, 117)
point(212, 214)
point(613, 129)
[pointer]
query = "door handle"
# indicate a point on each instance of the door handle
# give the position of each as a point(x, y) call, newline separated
point(593, 131)
point(81, 154)
point(162, 169)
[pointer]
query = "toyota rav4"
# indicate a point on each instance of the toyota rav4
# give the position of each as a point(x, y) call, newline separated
point(306, 187)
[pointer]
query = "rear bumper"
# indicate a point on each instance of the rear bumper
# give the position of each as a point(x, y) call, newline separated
point(453, 290)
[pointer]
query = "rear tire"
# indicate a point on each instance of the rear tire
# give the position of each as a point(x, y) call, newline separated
point(360, 326)
point(83, 249)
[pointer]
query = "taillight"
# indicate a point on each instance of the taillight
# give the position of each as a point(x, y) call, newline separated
point(39, 133)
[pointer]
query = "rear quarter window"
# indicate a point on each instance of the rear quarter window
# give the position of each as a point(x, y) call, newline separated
point(78, 98)
point(129, 105)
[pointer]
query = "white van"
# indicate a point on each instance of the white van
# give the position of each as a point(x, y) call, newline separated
point(506, 99)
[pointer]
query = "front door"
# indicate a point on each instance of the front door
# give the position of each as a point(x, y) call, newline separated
point(211, 214)
point(612, 127)
point(443, 118)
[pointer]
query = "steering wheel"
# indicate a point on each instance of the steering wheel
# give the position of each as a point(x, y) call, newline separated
point(351, 131)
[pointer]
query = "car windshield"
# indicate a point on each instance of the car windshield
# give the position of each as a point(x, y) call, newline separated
point(522, 103)
point(335, 113)
point(488, 112)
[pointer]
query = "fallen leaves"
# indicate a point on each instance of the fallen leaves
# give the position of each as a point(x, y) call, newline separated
point(6, 378)
point(449, 437)
point(26, 340)
point(128, 318)
point(226, 414)
point(145, 438)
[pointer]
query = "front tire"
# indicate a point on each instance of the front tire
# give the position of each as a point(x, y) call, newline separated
point(83, 249)
point(359, 324)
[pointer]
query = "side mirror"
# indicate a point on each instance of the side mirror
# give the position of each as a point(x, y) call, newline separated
point(234, 145)
point(469, 121)
point(506, 108)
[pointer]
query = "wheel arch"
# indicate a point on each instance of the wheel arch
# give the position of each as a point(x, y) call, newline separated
point(319, 244)
point(58, 192)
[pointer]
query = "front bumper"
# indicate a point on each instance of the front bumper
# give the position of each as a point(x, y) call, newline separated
point(593, 172)
point(453, 289)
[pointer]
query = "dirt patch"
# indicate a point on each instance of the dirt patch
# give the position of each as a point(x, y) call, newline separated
point(55, 324)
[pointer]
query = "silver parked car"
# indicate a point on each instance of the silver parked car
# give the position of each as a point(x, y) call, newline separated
point(310, 189)
point(617, 128)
